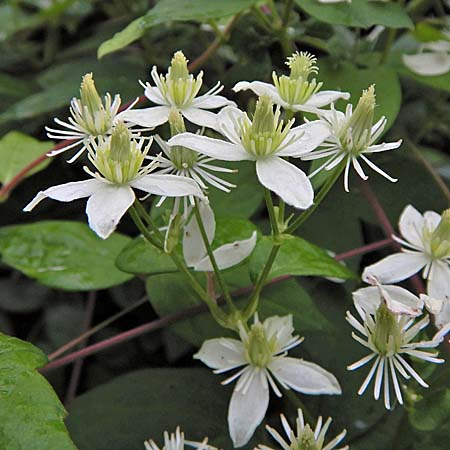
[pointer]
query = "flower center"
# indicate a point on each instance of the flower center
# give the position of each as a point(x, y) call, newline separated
point(306, 440)
point(179, 87)
point(259, 349)
point(296, 89)
point(266, 132)
point(118, 158)
point(387, 334)
point(440, 238)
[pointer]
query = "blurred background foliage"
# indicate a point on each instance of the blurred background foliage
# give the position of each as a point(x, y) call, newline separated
point(144, 386)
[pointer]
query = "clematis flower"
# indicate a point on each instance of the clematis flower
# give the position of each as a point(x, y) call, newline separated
point(352, 136)
point(226, 255)
point(426, 239)
point(303, 437)
point(295, 92)
point(439, 308)
point(390, 339)
point(118, 160)
point(261, 356)
point(90, 118)
point(433, 58)
point(176, 441)
point(179, 89)
point(265, 139)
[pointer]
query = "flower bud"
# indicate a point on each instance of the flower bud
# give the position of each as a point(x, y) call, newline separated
point(440, 238)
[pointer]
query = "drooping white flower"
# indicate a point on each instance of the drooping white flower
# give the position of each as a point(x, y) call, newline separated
point(176, 441)
point(179, 89)
point(352, 136)
point(390, 339)
point(303, 437)
point(226, 255)
point(439, 308)
point(265, 139)
point(426, 239)
point(118, 160)
point(90, 118)
point(261, 356)
point(433, 58)
point(295, 92)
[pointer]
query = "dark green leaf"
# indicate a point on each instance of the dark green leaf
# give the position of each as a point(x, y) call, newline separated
point(64, 255)
point(31, 414)
point(431, 412)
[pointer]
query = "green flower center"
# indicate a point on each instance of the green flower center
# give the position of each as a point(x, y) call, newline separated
point(181, 157)
point(259, 349)
point(440, 238)
point(306, 440)
point(387, 333)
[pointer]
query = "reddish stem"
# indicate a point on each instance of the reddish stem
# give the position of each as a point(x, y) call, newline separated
point(364, 249)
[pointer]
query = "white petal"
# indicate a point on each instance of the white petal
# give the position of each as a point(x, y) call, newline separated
point(411, 224)
point(67, 192)
point(310, 135)
point(281, 327)
point(304, 376)
point(154, 95)
point(324, 98)
point(221, 353)
point(248, 408)
point(396, 267)
point(433, 305)
point(215, 148)
point(437, 46)
point(107, 206)
point(439, 280)
point(194, 249)
point(432, 220)
point(428, 64)
point(260, 88)
point(167, 185)
point(211, 101)
point(287, 181)
point(228, 255)
point(147, 117)
point(201, 117)
point(229, 119)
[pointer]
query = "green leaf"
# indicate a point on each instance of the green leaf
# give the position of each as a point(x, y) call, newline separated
point(17, 150)
point(172, 10)
point(142, 405)
point(431, 412)
point(64, 255)
point(296, 257)
point(31, 414)
point(358, 13)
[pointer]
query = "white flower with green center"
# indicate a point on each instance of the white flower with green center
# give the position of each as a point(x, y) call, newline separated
point(352, 136)
point(261, 356)
point(426, 239)
point(227, 255)
point(176, 441)
point(179, 89)
point(303, 437)
point(118, 160)
point(295, 92)
point(90, 118)
point(267, 140)
point(390, 340)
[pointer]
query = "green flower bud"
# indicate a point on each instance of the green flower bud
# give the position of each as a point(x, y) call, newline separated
point(89, 96)
point(440, 238)
point(181, 157)
point(387, 335)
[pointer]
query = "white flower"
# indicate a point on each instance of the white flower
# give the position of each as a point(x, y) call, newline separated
point(118, 160)
point(352, 136)
point(266, 140)
point(176, 441)
point(295, 92)
point(389, 338)
point(261, 355)
point(303, 437)
point(440, 308)
point(90, 118)
point(226, 255)
point(179, 89)
point(427, 241)
point(433, 58)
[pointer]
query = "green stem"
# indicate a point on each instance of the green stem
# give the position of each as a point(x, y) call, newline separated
point(148, 218)
point(141, 226)
point(212, 258)
point(287, 12)
point(271, 211)
point(319, 197)
point(387, 46)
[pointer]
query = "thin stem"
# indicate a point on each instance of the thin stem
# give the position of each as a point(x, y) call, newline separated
point(271, 211)
point(141, 226)
point(287, 12)
point(212, 258)
point(319, 198)
point(148, 218)
point(392, 33)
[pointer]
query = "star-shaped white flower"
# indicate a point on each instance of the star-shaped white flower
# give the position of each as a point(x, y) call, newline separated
point(227, 255)
point(118, 160)
point(426, 239)
point(179, 89)
point(261, 356)
point(176, 441)
point(295, 92)
point(352, 135)
point(266, 140)
point(303, 437)
point(389, 338)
